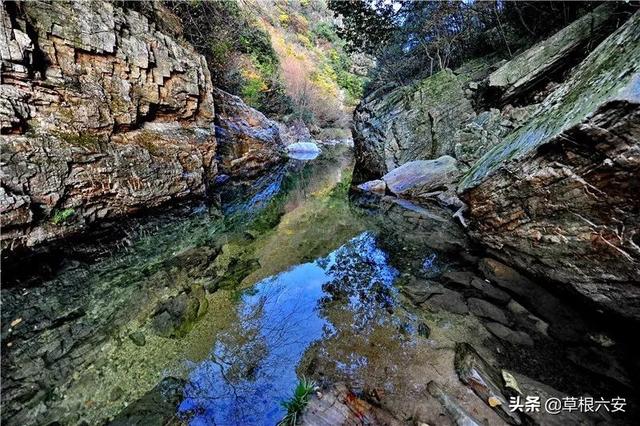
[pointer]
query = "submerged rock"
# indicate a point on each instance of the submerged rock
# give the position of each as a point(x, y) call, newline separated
point(458, 414)
point(158, 406)
point(138, 338)
point(177, 316)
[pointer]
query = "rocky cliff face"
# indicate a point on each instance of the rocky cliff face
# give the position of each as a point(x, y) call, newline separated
point(550, 184)
point(102, 115)
point(248, 141)
point(559, 197)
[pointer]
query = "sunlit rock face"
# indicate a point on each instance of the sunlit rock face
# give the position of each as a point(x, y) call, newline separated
point(249, 142)
point(559, 197)
point(105, 113)
point(409, 123)
point(534, 65)
point(102, 115)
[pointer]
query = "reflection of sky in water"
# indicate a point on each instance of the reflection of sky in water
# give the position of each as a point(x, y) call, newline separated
point(252, 365)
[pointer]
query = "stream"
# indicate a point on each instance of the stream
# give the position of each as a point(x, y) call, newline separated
point(212, 318)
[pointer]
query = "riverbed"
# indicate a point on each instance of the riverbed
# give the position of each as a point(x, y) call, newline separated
point(212, 318)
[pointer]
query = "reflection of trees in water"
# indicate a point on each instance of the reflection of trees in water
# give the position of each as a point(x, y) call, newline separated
point(361, 282)
point(344, 299)
point(250, 368)
point(360, 304)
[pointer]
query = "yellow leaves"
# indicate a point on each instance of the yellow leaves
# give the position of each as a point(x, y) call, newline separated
point(494, 402)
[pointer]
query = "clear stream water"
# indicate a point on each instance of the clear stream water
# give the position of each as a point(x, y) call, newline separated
point(301, 281)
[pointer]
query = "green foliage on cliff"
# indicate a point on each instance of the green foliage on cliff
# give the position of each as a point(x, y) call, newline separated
point(238, 51)
point(61, 216)
point(414, 39)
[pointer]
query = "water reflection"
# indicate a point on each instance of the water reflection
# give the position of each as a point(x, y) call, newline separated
point(252, 366)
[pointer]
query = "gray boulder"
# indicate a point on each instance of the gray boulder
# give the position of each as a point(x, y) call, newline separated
point(420, 178)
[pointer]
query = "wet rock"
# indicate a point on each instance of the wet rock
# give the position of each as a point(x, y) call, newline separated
point(138, 338)
point(378, 186)
point(458, 414)
point(421, 290)
point(423, 330)
point(526, 319)
point(601, 362)
point(340, 406)
point(484, 309)
point(460, 278)
point(177, 316)
point(509, 335)
point(484, 380)
point(447, 300)
point(560, 214)
point(533, 388)
point(554, 311)
point(116, 393)
point(475, 285)
point(158, 406)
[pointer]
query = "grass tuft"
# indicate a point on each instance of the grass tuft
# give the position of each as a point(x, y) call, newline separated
point(297, 402)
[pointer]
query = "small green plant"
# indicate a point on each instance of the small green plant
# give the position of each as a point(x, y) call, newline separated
point(297, 402)
point(61, 216)
point(82, 140)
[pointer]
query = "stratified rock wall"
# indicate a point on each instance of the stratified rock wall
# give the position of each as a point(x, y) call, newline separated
point(248, 141)
point(560, 197)
point(103, 114)
point(409, 123)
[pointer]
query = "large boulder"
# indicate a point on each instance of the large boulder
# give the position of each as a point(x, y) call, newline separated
point(420, 178)
point(408, 123)
point(559, 196)
point(554, 54)
point(248, 141)
point(102, 115)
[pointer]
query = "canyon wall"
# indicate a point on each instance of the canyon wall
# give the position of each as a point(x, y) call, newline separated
point(106, 112)
point(548, 183)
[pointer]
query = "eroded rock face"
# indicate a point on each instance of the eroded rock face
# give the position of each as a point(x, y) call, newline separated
point(249, 142)
point(409, 123)
point(559, 197)
point(525, 71)
point(102, 115)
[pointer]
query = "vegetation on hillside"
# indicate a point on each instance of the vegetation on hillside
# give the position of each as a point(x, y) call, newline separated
point(283, 58)
point(413, 40)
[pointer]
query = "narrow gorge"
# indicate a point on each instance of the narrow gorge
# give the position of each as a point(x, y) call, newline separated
point(320, 212)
